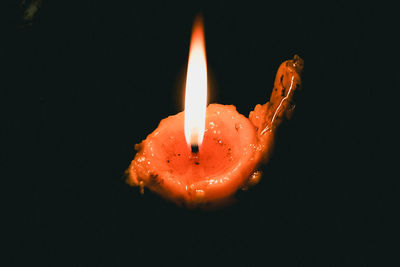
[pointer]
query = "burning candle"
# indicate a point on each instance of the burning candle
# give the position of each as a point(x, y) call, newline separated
point(202, 156)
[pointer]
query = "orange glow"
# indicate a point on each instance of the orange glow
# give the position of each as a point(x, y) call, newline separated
point(196, 87)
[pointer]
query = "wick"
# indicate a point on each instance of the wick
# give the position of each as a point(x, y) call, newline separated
point(195, 149)
point(195, 154)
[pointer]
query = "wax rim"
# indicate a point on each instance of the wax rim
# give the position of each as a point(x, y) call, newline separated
point(217, 185)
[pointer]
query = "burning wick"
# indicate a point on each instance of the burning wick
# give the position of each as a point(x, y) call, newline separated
point(194, 148)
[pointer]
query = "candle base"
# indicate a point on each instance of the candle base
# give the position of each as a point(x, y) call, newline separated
point(233, 147)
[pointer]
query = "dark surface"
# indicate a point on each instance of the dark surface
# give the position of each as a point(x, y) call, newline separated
point(85, 83)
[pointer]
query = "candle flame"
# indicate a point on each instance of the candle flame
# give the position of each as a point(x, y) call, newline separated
point(196, 87)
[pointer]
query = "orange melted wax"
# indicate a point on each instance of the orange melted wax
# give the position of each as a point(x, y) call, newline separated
point(232, 149)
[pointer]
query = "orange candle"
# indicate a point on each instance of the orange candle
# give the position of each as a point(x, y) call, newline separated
point(202, 156)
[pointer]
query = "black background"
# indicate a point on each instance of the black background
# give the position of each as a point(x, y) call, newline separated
point(86, 81)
